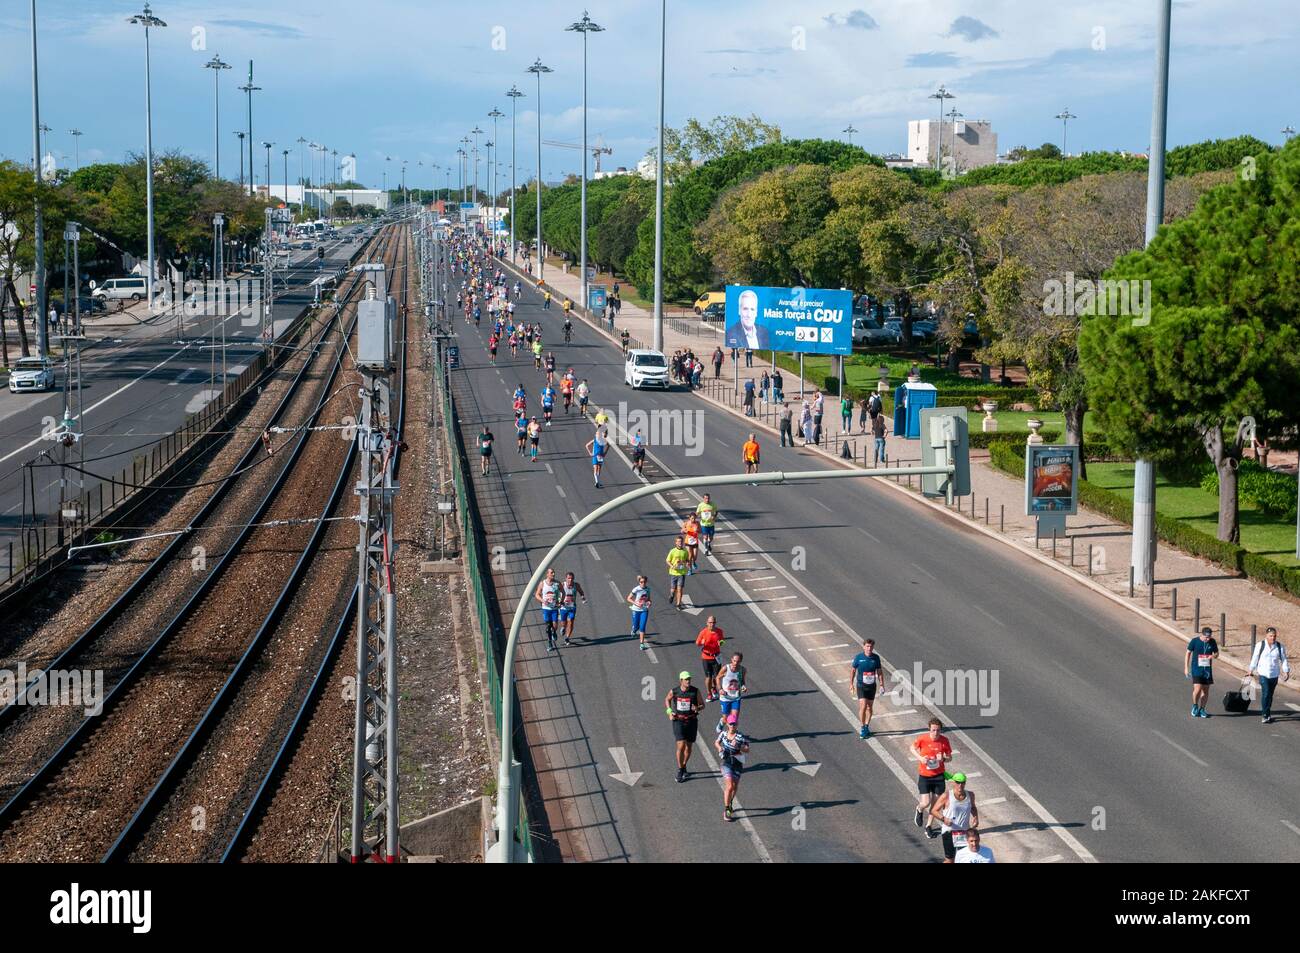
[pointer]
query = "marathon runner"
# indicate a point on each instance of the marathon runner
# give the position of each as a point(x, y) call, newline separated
point(534, 436)
point(584, 394)
point(492, 348)
point(521, 431)
point(485, 449)
point(931, 751)
point(1198, 665)
point(957, 812)
point(548, 597)
point(638, 600)
point(973, 853)
point(710, 642)
point(568, 327)
point(624, 337)
point(865, 677)
point(568, 306)
point(708, 516)
point(731, 687)
point(520, 399)
point(638, 453)
point(683, 705)
point(691, 534)
point(546, 301)
point(597, 448)
point(749, 453)
point(566, 391)
point(537, 354)
point(679, 561)
point(732, 747)
point(550, 367)
point(570, 592)
point(548, 402)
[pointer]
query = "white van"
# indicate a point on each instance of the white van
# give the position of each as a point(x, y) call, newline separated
point(645, 368)
point(118, 289)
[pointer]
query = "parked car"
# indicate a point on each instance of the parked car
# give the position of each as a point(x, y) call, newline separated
point(714, 312)
point(645, 368)
point(31, 373)
point(120, 289)
point(924, 330)
point(867, 332)
point(709, 298)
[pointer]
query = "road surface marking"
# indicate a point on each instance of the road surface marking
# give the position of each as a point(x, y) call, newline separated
point(800, 635)
point(1293, 706)
point(770, 588)
point(896, 714)
point(795, 609)
point(803, 765)
point(760, 578)
point(594, 555)
point(992, 800)
point(924, 570)
point(827, 648)
point(104, 400)
point(1174, 744)
point(184, 376)
point(1051, 860)
point(549, 470)
point(989, 615)
point(801, 622)
point(625, 772)
point(559, 489)
point(823, 505)
point(869, 535)
point(574, 516)
point(781, 598)
point(688, 605)
point(1292, 827)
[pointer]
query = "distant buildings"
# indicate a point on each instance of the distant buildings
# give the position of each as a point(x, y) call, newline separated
point(970, 143)
point(324, 198)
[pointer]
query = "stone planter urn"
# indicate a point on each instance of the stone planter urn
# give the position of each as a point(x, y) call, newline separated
point(990, 423)
point(1034, 425)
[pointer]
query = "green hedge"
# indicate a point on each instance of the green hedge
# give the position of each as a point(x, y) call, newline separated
point(980, 440)
point(1273, 493)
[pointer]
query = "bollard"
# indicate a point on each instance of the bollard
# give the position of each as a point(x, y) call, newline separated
point(1223, 628)
point(1151, 595)
point(1053, 545)
point(1002, 513)
point(1130, 582)
point(1090, 559)
point(1196, 616)
point(1174, 607)
point(986, 511)
point(1252, 640)
point(1071, 552)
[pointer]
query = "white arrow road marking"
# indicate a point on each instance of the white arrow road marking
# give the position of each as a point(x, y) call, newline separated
point(809, 768)
point(625, 775)
point(691, 607)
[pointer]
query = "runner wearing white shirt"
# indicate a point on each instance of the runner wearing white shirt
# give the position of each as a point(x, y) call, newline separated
point(973, 853)
point(1269, 662)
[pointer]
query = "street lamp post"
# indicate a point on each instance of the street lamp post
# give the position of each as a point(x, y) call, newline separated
point(658, 321)
point(584, 26)
point(953, 116)
point(267, 147)
point(514, 95)
point(475, 132)
point(302, 179)
point(285, 153)
point(941, 95)
point(76, 135)
point(1287, 132)
point(849, 131)
point(147, 20)
point(38, 235)
point(538, 69)
point(249, 89)
point(495, 115)
point(1065, 116)
point(241, 136)
point(216, 65)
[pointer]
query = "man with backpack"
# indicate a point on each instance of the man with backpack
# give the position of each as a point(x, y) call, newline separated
point(1269, 662)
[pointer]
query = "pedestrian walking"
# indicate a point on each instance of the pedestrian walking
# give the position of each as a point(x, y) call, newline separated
point(717, 361)
point(878, 455)
point(778, 387)
point(864, 414)
point(1269, 662)
point(1198, 666)
point(749, 358)
point(846, 414)
point(787, 419)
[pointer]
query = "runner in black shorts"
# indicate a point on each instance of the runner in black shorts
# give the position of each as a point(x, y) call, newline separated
point(865, 675)
point(485, 449)
point(683, 705)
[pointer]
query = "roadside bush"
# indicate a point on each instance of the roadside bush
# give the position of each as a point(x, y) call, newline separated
point(1272, 493)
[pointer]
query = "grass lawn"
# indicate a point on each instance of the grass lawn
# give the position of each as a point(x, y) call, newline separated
point(1267, 535)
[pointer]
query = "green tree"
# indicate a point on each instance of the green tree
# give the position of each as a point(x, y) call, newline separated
point(1224, 337)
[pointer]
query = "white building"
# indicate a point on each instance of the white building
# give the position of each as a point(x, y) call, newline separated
point(971, 143)
point(324, 198)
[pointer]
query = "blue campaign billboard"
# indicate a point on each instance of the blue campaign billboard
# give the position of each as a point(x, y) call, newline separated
point(811, 320)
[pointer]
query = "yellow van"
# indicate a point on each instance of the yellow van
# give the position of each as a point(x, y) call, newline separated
point(708, 298)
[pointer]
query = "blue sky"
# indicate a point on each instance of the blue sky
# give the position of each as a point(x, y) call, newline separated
point(408, 80)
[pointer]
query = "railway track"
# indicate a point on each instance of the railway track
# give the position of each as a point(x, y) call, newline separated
point(236, 755)
point(61, 809)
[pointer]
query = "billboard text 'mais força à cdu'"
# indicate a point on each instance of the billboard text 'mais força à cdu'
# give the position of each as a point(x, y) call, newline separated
point(811, 320)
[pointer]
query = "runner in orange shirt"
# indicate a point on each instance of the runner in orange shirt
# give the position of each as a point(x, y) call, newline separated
point(932, 752)
point(749, 453)
point(691, 536)
point(710, 642)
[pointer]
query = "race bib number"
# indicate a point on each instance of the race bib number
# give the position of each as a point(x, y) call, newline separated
point(932, 764)
point(683, 705)
point(1205, 661)
point(868, 678)
point(959, 839)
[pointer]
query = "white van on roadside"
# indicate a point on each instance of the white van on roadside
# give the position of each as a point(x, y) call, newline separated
point(120, 289)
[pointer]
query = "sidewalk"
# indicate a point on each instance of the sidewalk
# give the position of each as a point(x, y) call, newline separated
point(1236, 601)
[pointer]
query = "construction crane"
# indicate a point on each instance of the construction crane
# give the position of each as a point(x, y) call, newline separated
point(596, 151)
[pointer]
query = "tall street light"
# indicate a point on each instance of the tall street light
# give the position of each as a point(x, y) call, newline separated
point(1287, 132)
point(76, 135)
point(1065, 116)
point(352, 191)
point(302, 179)
point(267, 147)
point(514, 95)
point(285, 153)
point(658, 325)
point(249, 89)
point(953, 116)
point(1142, 557)
point(241, 134)
point(495, 115)
point(38, 235)
point(460, 172)
point(584, 26)
point(941, 95)
point(538, 69)
point(147, 20)
point(216, 65)
point(849, 131)
point(475, 132)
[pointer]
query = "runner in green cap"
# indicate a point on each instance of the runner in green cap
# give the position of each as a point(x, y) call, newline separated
point(684, 705)
point(956, 810)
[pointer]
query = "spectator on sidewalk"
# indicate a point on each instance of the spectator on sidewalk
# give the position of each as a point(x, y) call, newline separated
point(764, 383)
point(749, 397)
point(806, 422)
point(1268, 662)
point(819, 410)
point(864, 414)
point(697, 373)
point(749, 357)
point(846, 413)
point(717, 361)
point(878, 455)
point(787, 418)
point(778, 394)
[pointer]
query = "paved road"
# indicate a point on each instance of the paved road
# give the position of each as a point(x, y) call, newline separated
point(1086, 750)
point(138, 385)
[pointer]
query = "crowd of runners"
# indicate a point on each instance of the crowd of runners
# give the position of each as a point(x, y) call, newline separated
point(944, 799)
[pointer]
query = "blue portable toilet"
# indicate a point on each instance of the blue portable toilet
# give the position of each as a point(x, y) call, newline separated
point(909, 400)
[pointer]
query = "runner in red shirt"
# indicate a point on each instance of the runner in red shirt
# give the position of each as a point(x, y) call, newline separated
point(710, 642)
point(932, 752)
